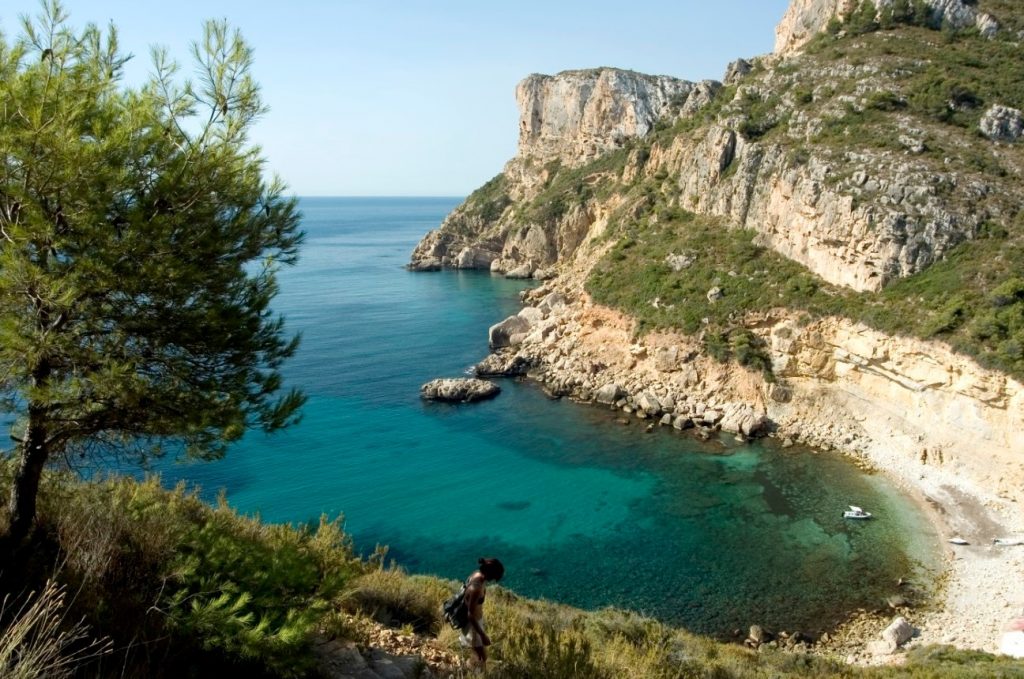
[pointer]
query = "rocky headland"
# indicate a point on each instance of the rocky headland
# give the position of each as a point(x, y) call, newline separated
point(831, 160)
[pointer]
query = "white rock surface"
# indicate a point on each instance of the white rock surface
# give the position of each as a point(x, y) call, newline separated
point(577, 115)
point(1002, 123)
point(804, 19)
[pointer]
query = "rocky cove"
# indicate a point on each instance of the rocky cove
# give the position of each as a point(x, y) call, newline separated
point(945, 428)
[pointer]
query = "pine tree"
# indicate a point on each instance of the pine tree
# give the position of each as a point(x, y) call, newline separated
point(139, 243)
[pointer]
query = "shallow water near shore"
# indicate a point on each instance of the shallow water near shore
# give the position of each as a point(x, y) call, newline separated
point(583, 510)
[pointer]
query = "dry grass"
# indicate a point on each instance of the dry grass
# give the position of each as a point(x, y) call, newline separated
point(38, 642)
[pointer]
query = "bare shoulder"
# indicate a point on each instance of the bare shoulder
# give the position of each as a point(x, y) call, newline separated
point(475, 583)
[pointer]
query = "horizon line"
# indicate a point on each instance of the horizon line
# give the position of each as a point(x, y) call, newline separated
point(380, 195)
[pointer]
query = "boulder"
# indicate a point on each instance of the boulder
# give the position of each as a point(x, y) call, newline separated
point(682, 422)
point(459, 390)
point(552, 302)
point(759, 635)
point(1002, 123)
point(736, 70)
point(743, 419)
point(609, 394)
point(649, 404)
point(531, 314)
point(474, 258)
point(521, 271)
point(499, 365)
point(711, 416)
point(897, 633)
point(715, 294)
point(679, 262)
point(500, 334)
point(425, 264)
point(666, 359)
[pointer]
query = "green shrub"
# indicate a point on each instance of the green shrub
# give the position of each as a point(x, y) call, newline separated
point(163, 573)
point(537, 650)
point(393, 597)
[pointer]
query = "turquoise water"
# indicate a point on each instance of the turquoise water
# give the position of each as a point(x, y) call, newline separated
point(581, 509)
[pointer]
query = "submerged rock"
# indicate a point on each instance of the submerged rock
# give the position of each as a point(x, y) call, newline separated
point(459, 390)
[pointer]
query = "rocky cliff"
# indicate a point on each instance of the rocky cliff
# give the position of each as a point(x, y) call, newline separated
point(817, 153)
point(828, 246)
point(565, 121)
point(575, 116)
point(804, 19)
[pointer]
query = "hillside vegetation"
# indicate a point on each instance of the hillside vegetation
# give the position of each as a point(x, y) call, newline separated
point(167, 586)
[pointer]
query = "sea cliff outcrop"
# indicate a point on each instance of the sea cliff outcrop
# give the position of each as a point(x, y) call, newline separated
point(566, 120)
point(863, 170)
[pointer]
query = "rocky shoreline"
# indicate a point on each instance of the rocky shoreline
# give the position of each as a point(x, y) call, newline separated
point(588, 353)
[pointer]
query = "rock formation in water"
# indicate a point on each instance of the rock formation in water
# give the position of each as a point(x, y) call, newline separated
point(459, 390)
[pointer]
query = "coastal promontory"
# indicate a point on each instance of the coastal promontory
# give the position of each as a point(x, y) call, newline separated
point(826, 246)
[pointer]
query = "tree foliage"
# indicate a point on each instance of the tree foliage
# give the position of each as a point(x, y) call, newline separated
point(139, 243)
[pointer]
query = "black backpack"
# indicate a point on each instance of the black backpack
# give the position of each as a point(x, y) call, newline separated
point(455, 610)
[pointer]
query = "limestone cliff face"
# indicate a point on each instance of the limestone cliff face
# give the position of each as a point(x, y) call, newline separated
point(906, 400)
point(804, 19)
point(908, 406)
point(566, 120)
point(778, 157)
point(813, 214)
point(576, 116)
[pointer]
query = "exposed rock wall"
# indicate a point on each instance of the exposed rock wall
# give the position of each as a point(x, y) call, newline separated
point(800, 212)
point(908, 406)
point(805, 19)
point(909, 403)
point(576, 116)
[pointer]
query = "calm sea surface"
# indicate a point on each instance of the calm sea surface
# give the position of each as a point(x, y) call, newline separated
point(581, 510)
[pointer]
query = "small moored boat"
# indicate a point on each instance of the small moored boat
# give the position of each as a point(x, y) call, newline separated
point(855, 512)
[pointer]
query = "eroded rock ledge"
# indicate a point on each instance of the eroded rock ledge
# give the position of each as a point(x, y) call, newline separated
point(459, 390)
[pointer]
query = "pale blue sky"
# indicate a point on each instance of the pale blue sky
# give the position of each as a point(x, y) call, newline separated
point(417, 98)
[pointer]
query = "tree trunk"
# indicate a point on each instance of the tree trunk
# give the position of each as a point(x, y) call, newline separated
point(35, 450)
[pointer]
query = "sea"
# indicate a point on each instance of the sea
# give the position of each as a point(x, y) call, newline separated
point(712, 536)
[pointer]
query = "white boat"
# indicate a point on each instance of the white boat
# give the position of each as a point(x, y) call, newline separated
point(856, 512)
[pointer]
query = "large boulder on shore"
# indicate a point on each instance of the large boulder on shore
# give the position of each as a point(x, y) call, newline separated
point(459, 390)
point(502, 365)
point(500, 334)
point(740, 418)
point(894, 636)
point(609, 394)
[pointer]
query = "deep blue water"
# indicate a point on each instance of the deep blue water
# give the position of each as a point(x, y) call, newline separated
point(581, 509)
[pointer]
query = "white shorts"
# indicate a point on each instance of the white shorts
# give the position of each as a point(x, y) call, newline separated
point(470, 638)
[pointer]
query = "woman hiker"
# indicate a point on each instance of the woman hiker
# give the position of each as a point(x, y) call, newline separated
point(473, 634)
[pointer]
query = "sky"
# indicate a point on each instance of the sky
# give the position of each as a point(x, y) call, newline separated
point(416, 98)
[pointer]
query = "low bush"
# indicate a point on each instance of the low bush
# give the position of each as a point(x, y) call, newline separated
point(393, 597)
point(165, 575)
